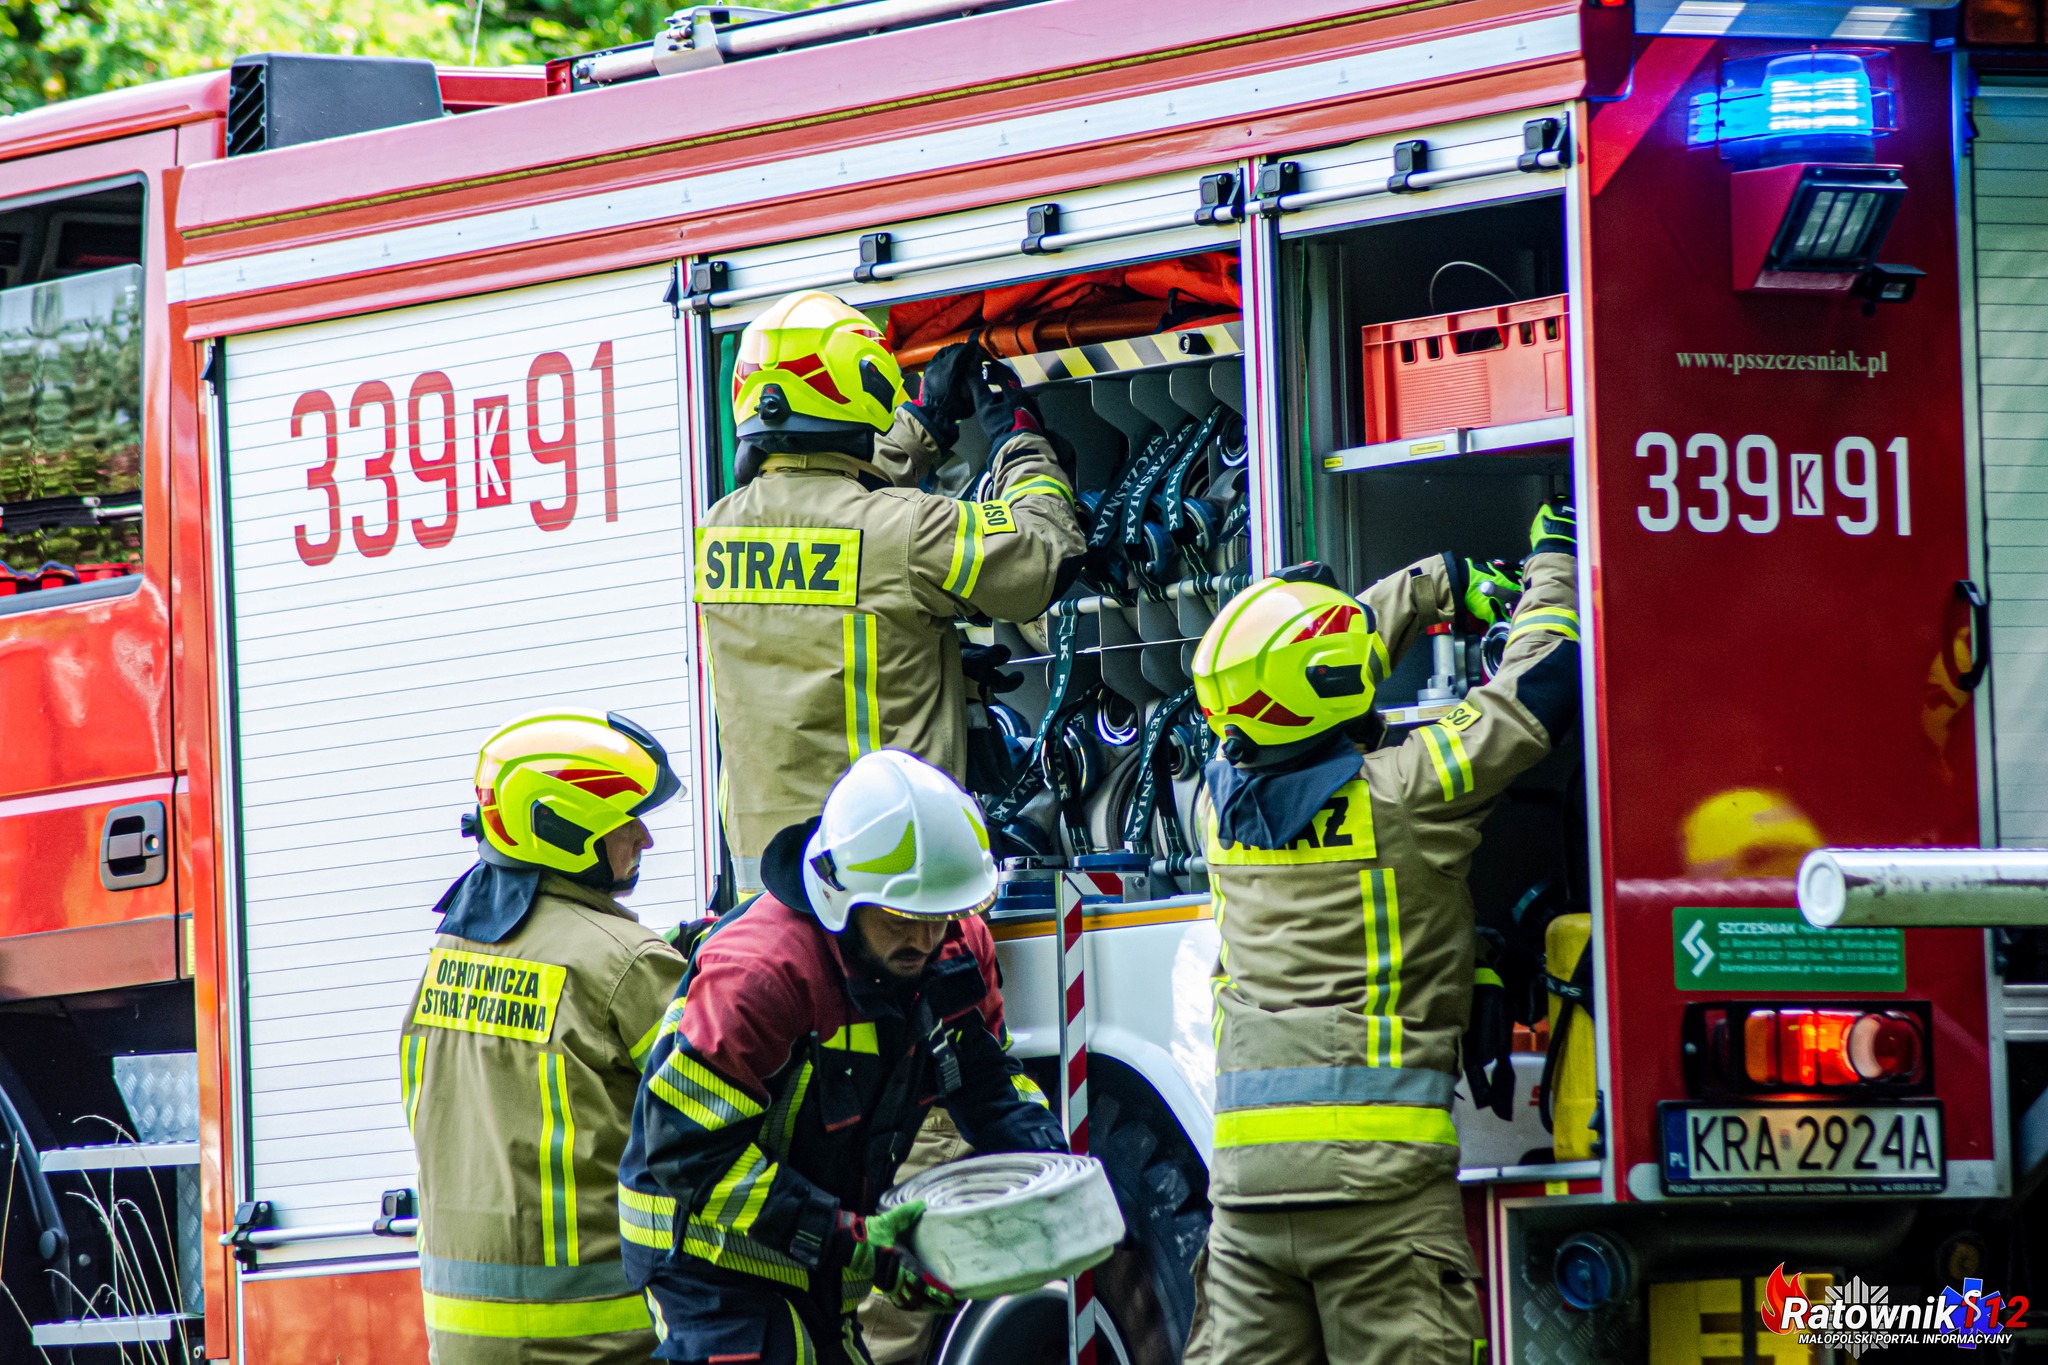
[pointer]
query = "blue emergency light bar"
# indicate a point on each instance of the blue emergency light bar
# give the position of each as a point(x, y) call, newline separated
point(1807, 105)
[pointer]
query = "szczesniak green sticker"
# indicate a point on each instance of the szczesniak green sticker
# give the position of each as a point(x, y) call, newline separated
point(1777, 950)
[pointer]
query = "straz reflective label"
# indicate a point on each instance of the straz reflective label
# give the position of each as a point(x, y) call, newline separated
point(505, 997)
point(1340, 832)
point(789, 565)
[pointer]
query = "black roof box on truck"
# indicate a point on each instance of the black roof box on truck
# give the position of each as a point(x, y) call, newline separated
point(280, 99)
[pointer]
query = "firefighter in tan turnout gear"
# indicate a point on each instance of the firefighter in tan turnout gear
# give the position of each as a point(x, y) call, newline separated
point(1346, 976)
point(522, 1052)
point(829, 584)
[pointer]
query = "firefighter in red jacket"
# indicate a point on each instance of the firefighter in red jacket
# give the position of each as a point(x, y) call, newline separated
point(817, 1025)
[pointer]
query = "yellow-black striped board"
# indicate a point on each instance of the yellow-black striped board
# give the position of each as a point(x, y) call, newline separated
point(1138, 353)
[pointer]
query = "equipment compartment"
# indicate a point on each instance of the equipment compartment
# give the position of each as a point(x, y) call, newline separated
point(1156, 425)
point(1138, 373)
point(1365, 510)
point(1386, 463)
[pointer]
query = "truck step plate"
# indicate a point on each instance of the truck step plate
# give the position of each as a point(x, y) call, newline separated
point(1781, 1149)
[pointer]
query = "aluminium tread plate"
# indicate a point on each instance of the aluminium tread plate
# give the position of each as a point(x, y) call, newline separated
point(119, 1156)
point(109, 1331)
point(508, 528)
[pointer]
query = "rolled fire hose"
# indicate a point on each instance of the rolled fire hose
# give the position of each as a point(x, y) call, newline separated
point(1928, 887)
point(995, 1225)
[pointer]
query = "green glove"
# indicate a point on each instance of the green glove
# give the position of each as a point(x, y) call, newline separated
point(1491, 588)
point(884, 1230)
point(1556, 528)
point(899, 1275)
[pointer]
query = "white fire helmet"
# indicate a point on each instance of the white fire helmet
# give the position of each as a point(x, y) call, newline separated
point(898, 833)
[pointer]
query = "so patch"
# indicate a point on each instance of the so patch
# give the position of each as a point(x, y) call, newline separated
point(1463, 716)
point(802, 566)
point(504, 997)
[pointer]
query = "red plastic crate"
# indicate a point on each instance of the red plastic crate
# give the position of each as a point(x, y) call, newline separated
point(1483, 367)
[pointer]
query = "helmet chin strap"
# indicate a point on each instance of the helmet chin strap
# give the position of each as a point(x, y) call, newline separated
point(1245, 752)
point(598, 876)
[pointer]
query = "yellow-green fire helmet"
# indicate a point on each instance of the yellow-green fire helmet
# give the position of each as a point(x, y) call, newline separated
point(812, 363)
point(551, 784)
point(1287, 659)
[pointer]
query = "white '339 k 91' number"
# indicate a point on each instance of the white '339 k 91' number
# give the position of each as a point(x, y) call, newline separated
point(1760, 497)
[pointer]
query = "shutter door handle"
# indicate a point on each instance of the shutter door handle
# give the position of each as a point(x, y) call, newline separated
point(1980, 634)
point(133, 849)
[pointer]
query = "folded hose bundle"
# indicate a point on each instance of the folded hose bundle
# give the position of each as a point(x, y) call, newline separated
point(996, 1225)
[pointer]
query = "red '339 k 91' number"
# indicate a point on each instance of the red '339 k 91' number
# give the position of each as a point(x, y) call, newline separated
point(432, 430)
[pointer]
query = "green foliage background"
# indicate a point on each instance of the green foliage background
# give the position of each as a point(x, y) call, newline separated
point(57, 49)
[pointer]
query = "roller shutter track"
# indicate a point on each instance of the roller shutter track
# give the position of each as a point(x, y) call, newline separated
point(2010, 171)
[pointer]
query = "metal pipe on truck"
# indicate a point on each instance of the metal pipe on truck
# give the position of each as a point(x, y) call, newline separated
point(1924, 887)
point(697, 37)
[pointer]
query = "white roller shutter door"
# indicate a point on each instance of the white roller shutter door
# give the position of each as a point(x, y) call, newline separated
point(2010, 184)
point(373, 652)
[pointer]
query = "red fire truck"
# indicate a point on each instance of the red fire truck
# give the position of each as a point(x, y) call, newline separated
point(349, 406)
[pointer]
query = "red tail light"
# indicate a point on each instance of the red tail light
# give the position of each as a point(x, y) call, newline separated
point(1791, 1048)
point(1807, 1048)
point(1886, 1047)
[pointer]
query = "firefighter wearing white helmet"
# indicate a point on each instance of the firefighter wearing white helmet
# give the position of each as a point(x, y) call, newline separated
point(521, 1054)
point(829, 584)
point(1348, 991)
point(817, 1025)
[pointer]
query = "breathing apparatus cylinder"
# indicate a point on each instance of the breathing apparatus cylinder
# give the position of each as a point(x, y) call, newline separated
point(1570, 1072)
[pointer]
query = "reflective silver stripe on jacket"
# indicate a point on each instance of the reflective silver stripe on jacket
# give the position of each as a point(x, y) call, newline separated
point(527, 1283)
point(1334, 1085)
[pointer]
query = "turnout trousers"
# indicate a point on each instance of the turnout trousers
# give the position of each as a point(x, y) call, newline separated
point(714, 1315)
point(897, 1336)
point(1381, 1283)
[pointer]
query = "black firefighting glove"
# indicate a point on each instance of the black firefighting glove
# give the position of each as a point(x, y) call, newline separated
point(909, 1283)
point(1489, 1043)
point(946, 392)
point(1556, 528)
point(1002, 406)
point(983, 664)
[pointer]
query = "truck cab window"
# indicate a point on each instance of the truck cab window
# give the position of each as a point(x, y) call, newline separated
point(71, 294)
